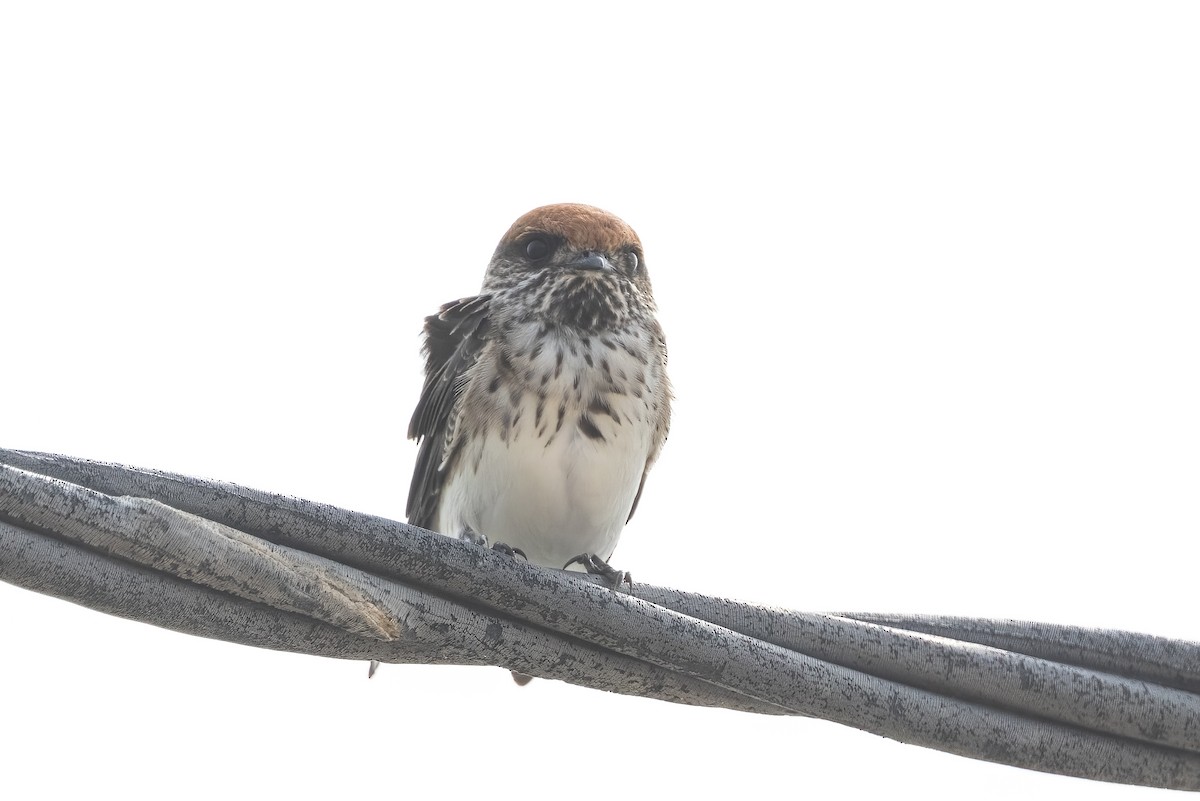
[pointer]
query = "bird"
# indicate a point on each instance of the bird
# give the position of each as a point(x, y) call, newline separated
point(546, 399)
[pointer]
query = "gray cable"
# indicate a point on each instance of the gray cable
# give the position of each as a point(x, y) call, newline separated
point(223, 561)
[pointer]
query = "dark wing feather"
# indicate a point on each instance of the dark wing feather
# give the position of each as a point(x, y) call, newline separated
point(454, 337)
point(638, 497)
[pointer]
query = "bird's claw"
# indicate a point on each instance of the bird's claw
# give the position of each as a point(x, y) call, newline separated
point(598, 567)
point(468, 534)
point(511, 551)
point(475, 538)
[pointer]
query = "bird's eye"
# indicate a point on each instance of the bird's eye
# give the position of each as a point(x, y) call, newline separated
point(537, 249)
point(633, 262)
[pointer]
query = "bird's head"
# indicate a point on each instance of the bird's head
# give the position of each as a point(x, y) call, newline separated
point(572, 265)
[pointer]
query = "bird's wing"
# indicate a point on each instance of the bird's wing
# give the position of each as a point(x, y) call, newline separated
point(454, 338)
point(663, 423)
point(638, 497)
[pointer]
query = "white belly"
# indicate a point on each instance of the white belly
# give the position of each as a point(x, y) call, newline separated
point(553, 501)
point(547, 488)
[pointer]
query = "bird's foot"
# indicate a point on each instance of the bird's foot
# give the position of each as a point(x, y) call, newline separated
point(598, 567)
point(511, 551)
point(521, 678)
point(475, 538)
point(472, 536)
point(374, 667)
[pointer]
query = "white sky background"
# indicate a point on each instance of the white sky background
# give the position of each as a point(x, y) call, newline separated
point(929, 272)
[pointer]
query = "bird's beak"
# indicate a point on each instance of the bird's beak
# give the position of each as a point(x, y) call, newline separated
point(590, 261)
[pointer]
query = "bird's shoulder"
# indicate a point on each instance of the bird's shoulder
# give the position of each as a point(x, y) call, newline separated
point(454, 338)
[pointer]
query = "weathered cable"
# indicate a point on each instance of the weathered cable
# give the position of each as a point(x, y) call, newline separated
point(281, 572)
